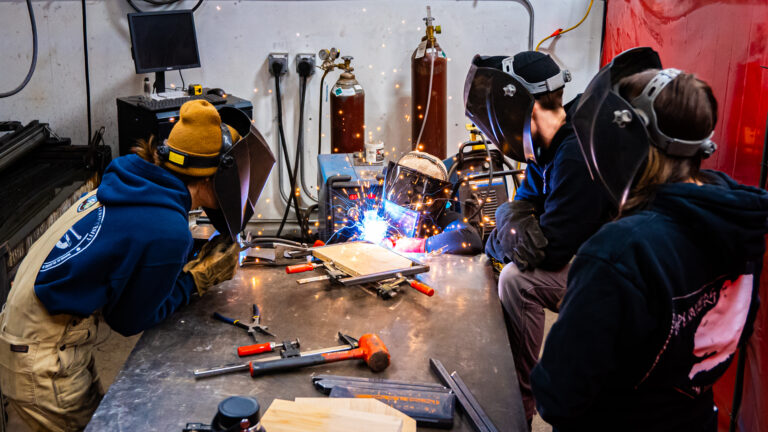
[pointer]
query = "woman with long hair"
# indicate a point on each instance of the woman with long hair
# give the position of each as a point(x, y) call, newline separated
point(659, 299)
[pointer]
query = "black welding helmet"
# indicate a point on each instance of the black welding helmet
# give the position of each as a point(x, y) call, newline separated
point(243, 170)
point(615, 133)
point(500, 106)
point(416, 190)
point(201, 145)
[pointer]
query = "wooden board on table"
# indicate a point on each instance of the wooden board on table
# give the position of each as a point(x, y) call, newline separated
point(287, 416)
point(361, 258)
point(361, 404)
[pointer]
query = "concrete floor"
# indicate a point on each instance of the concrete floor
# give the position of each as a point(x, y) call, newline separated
point(114, 349)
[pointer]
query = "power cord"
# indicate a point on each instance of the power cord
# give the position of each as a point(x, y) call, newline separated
point(305, 68)
point(34, 55)
point(277, 69)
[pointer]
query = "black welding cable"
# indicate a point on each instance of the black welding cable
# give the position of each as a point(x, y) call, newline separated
point(291, 172)
point(34, 55)
point(87, 71)
point(300, 149)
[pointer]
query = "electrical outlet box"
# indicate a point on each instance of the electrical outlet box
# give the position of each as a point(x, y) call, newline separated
point(281, 58)
point(305, 58)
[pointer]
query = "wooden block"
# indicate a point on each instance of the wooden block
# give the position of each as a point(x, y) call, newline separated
point(361, 258)
point(360, 404)
point(287, 416)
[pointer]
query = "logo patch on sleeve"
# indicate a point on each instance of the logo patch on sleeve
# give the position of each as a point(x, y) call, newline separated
point(77, 238)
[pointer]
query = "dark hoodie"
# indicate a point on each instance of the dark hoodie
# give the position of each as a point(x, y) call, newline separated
point(655, 306)
point(570, 206)
point(124, 259)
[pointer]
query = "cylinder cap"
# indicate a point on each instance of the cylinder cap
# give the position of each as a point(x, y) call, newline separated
point(234, 409)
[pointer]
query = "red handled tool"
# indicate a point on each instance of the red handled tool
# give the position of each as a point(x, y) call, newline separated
point(421, 287)
point(350, 343)
point(301, 268)
point(265, 347)
point(371, 349)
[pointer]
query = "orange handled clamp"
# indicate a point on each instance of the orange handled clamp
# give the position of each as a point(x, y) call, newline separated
point(300, 268)
point(421, 287)
point(263, 347)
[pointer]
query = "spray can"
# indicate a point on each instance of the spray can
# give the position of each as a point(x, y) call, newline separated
point(347, 112)
point(147, 89)
point(429, 65)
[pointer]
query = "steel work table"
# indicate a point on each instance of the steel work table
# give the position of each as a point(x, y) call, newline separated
point(462, 326)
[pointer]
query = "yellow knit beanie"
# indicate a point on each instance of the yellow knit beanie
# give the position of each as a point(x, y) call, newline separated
point(197, 133)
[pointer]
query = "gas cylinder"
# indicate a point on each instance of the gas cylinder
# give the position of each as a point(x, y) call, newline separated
point(433, 137)
point(347, 112)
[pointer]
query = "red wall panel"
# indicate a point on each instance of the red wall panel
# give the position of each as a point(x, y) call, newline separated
point(725, 43)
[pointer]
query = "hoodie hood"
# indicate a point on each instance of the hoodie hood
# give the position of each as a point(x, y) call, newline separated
point(732, 217)
point(132, 181)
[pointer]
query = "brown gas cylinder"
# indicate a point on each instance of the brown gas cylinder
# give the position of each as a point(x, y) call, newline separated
point(433, 138)
point(347, 114)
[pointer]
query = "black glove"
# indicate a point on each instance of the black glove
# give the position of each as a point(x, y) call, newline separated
point(518, 235)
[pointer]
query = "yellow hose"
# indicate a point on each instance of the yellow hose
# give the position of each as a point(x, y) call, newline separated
point(558, 32)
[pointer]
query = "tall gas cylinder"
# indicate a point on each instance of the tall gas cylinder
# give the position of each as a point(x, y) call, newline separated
point(347, 112)
point(429, 66)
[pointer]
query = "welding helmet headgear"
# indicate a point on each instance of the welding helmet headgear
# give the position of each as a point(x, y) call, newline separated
point(416, 190)
point(538, 72)
point(239, 165)
point(500, 105)
point(615, 133)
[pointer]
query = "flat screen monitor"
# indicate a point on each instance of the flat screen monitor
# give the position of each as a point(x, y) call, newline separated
point(163, 41)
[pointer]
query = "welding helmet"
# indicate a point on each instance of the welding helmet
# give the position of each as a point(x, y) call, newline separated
point(239, 168)
point(416, 190)
point(500, 105)
point(615, 133)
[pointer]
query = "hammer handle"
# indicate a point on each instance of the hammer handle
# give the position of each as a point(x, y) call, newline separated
point(282, 365)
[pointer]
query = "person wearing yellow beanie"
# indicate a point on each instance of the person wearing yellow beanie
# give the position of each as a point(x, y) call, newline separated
point(120, 253)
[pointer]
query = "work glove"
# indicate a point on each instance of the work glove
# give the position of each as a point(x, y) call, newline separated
point(408, 244)
point(518, 236)
point(215, 263)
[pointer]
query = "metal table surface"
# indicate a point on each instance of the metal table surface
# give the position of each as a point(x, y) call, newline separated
point(461, 325)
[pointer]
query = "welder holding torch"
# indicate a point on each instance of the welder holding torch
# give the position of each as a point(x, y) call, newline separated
point(417, 207)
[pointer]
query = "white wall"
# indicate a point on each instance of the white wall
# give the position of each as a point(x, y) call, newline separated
point(236, 36)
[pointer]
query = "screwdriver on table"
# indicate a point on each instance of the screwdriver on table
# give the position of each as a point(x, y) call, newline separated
point(264, 347)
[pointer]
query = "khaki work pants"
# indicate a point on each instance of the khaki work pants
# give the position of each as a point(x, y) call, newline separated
point(47, 369)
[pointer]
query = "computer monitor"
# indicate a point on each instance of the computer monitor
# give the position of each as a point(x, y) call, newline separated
point(162, 41)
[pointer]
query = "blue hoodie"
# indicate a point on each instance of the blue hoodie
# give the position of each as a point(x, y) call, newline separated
point(125, 258)
point(655, 306)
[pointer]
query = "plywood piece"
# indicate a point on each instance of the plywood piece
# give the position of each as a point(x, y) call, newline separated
point(287, 416)
point(360, 404)
point(361, 258)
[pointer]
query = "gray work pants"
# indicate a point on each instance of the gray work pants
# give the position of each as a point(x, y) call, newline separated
point(524, 295)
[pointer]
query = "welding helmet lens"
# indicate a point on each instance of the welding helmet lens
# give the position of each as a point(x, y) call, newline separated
point(500, 106)
point(418, 196)
point(243, 170)
point(610, 131)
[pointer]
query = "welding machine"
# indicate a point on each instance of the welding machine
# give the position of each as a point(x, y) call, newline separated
point(472, 160)
point(349, 186)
